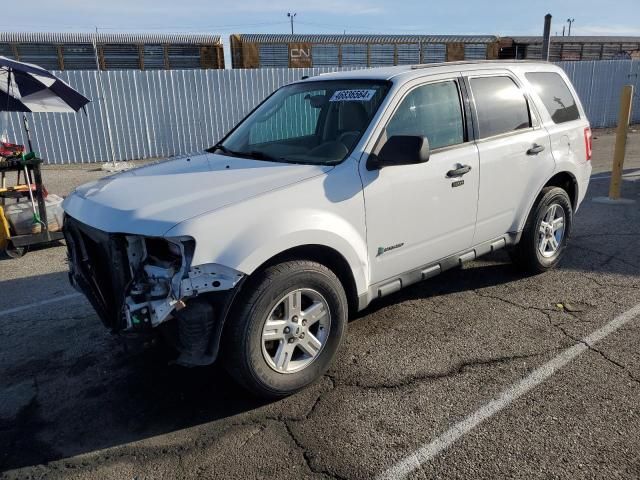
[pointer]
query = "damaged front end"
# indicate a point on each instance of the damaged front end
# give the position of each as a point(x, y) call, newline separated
point(137, 283)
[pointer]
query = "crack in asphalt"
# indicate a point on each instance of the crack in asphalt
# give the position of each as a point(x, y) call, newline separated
point(457, 369)
point(300, 445)
point(547, 312)
point(600, 352)
point(332, 379)
point(180, 461)
point(286, 422)
point(260, 427)
point(307, 458)
point(608, 284)
point(319, 398)
point(511, 302)
point(610, 257)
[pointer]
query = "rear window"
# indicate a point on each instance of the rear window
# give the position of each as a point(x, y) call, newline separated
point(555, 95)
point(500, 104)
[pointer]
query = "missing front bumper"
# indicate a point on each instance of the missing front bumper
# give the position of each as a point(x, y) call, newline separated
point(135, 286)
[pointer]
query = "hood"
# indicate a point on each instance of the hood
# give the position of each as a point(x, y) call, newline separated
point(152, 199)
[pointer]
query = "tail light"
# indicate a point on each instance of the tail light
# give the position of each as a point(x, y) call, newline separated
point(588, 142)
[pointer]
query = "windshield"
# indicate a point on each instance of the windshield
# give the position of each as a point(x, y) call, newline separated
point(310, 122)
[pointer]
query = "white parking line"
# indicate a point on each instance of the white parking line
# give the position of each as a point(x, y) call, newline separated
point(607, 176)
point(428, 451)
point(38, 304)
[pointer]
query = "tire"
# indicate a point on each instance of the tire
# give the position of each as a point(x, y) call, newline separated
point(280, 367)
point(532, 254)
point(15, 252)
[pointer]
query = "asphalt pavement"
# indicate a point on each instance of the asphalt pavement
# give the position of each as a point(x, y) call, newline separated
point(78, 403)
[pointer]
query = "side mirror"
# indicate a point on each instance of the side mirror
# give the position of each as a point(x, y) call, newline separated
point(400, 150)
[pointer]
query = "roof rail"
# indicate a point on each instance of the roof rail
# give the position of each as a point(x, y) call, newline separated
point(473, 62)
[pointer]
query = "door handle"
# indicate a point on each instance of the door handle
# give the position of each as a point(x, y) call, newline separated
point(458, 172)
point(535, 149)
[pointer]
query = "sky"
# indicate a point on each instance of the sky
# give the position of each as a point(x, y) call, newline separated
point(507, 17)
point(511, 17)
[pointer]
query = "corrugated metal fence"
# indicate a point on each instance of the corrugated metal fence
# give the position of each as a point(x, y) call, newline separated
point(163, 113)
point(599, 84)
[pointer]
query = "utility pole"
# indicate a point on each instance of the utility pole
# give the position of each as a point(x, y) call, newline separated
point(291, 15)
point(563, 29)
point(104, 107)
point(546, 37)
point(570, 22)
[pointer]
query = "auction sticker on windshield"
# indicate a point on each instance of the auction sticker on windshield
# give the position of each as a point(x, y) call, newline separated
point(359, 95)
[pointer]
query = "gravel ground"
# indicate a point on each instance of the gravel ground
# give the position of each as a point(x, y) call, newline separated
point(77, 403)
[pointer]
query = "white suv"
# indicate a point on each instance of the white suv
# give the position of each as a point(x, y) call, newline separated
point(335, 191)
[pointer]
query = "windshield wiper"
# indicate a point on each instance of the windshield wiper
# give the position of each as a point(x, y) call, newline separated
point(252, 154)
point(224, 149)
point(258, 155)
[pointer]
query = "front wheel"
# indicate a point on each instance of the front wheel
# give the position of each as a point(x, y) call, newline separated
point(545, 235)
point(286, 329)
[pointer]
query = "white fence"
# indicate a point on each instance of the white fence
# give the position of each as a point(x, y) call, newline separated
point(163, 113)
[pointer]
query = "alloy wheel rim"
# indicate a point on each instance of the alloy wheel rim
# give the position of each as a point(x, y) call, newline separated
point(551, 230)
point(296, 330)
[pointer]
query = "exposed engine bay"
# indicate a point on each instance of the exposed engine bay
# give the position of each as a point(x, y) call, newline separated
point(162, 279)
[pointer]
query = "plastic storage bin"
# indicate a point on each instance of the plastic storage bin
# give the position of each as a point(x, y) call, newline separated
point(20, 215)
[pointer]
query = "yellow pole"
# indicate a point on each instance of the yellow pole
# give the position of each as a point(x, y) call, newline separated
point(621, 141)
point(4, 231)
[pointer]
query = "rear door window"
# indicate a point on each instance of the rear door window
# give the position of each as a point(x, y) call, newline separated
point(500, 104)
point(555, 95)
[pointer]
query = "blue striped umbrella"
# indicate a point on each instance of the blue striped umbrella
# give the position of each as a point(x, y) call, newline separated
point(28, 88)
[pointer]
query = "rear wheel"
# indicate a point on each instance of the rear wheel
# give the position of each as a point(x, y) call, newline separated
point(545, 235)
point(286, 329)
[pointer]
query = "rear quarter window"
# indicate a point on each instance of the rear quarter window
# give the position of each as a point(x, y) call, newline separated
point(555, 96)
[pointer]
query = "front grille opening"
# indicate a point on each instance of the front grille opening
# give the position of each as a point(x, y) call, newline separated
point(102, 269)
